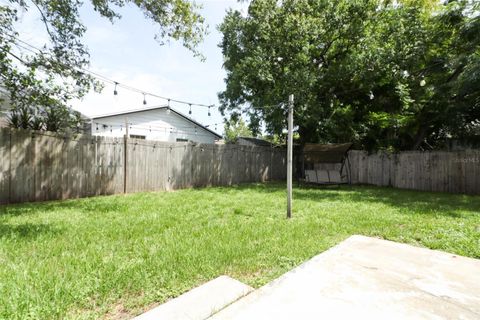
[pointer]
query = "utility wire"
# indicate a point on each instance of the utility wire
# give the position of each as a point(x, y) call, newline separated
point(108, 80)
point(127, 87)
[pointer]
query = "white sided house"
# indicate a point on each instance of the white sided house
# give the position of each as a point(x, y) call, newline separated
point(157, 123)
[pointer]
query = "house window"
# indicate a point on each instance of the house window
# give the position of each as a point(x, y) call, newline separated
point(182, 140)
point(136, 136)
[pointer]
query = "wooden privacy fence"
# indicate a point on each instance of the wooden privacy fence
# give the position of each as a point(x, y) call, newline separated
point(452, 171)
point(37, 166)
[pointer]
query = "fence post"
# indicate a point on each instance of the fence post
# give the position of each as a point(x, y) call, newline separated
point(10, 165)
point(125, 157)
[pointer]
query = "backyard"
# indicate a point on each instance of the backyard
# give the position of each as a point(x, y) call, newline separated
point(116, 256)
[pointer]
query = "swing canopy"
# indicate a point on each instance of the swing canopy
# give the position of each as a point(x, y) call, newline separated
point(326, 153)
point(326, 163)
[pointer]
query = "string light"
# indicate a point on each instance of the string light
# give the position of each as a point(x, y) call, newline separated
point(168, 106)
point(29, 47)
point(209, 114)
point(150, 127)
point(190, 111)
point(144, 99)
point(162, 129)
point(213, 124)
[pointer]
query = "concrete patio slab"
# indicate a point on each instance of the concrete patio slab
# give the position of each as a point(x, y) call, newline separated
point(367, 278)
point(201, 302)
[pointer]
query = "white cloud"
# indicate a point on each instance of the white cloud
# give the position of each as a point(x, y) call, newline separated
point(104, 33)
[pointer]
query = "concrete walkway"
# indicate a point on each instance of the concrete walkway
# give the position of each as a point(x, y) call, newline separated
point(200, 302)
point(367, 278)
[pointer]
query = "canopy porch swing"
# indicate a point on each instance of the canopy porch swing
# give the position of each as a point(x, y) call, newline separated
point(326, 163)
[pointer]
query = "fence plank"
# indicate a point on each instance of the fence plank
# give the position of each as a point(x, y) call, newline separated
point(22, 171)
point(48, 166)
point(4, 165)
point(455, 172)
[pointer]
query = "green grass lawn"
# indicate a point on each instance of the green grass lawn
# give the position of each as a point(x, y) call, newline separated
point(114, 256)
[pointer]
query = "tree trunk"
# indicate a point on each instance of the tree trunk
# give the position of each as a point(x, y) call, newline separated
point(419, 137)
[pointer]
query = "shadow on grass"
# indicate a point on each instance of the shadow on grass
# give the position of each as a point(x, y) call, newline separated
point(418, 202)
point(266, 187)
point(17, 209)
point(121, 202)
point(26, 231)
point(98, 204)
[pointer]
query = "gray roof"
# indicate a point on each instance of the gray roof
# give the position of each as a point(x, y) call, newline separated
point(255, 141)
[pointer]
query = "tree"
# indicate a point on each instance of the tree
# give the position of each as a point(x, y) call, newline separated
point(235, 128)
point(43, 82)
point(385, 75)
point(54, 118)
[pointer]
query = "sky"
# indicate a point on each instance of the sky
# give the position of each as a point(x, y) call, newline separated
point(127, 52)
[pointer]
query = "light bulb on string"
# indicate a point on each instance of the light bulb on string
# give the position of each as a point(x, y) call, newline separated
point(190, 111)
point(97, 126)
point(209, 114)
point(168, 106)
point(115, 92)
point(144, 99)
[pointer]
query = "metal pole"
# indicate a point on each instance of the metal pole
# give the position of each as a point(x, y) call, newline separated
point(289, 156)
point(125, 157)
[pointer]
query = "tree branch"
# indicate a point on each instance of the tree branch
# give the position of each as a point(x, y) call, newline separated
point(44, 20)
point(456, 73)
point(18, 58)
